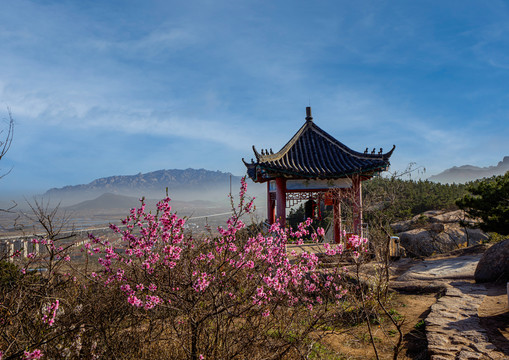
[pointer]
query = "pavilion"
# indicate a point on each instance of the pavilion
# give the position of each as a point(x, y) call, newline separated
point(315, 166)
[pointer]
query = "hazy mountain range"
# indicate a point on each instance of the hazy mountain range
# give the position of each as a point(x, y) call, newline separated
point(202, 185)
point(185, 185)
point(201, 195)
point(206, 185)
point(466, 173)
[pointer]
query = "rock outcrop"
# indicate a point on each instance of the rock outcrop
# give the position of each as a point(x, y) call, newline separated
point(453, 327)
point(436, 232)
point(494, 264)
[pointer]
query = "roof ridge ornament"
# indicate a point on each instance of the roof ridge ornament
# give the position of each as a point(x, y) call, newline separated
point(308, 114)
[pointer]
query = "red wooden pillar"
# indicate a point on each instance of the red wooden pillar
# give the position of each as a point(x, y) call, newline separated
point(271, 204)
point(281, 200)
point(336, 210)
point(357, 204)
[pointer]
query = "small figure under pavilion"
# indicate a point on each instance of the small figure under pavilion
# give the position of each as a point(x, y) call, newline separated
point(314, 166)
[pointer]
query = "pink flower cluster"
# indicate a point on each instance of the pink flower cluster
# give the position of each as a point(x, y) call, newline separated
point(57, 251)
point(50, 312)
point(36, 354)
point(358, 244)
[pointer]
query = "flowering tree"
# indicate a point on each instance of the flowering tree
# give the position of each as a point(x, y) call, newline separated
point(218, 296)
point(30, 289)
point(158, 291)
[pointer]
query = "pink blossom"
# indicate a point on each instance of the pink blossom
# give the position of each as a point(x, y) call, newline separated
point(151, 302)
point(36, 354)
point(134, 301)
point(202, 282)
point(50, 313)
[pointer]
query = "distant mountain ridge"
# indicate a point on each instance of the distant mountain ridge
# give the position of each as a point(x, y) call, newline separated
point(466, 173)
point(188, 184)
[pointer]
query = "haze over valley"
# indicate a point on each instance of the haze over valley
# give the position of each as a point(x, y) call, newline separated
point(198, 194)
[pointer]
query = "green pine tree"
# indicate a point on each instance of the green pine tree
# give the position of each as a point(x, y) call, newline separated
point(489, 201)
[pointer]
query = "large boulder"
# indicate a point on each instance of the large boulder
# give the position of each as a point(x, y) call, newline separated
point(431, 217)
point(417, 242)
point(448, 217)
point(439, 238)
point(435, 232)
point(494, 264)
point(416, 222)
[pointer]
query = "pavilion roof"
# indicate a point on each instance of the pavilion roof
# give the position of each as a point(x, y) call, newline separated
point(314, 154)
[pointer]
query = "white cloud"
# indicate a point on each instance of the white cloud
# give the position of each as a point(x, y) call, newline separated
point(151, 45)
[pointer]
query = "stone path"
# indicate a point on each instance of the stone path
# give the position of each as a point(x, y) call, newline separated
point(453, 328)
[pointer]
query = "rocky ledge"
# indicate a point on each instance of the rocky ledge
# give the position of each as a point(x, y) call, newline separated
point(436, 232)
point(453, 328)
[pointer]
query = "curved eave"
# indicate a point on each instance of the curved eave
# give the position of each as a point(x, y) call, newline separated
point(275, 172)
point(387, 155)
point(251, 170)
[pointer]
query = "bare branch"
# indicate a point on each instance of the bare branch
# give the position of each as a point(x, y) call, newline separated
point(9, 210)
point(6, 140)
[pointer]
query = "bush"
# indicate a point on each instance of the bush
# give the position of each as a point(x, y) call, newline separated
point(9, 274)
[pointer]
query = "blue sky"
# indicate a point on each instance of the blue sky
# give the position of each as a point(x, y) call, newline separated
point(100, 88)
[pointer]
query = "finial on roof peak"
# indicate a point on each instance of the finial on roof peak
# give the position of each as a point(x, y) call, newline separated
point(308, 114)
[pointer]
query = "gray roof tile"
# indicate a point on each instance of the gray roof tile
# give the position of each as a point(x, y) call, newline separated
point(313, 153)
